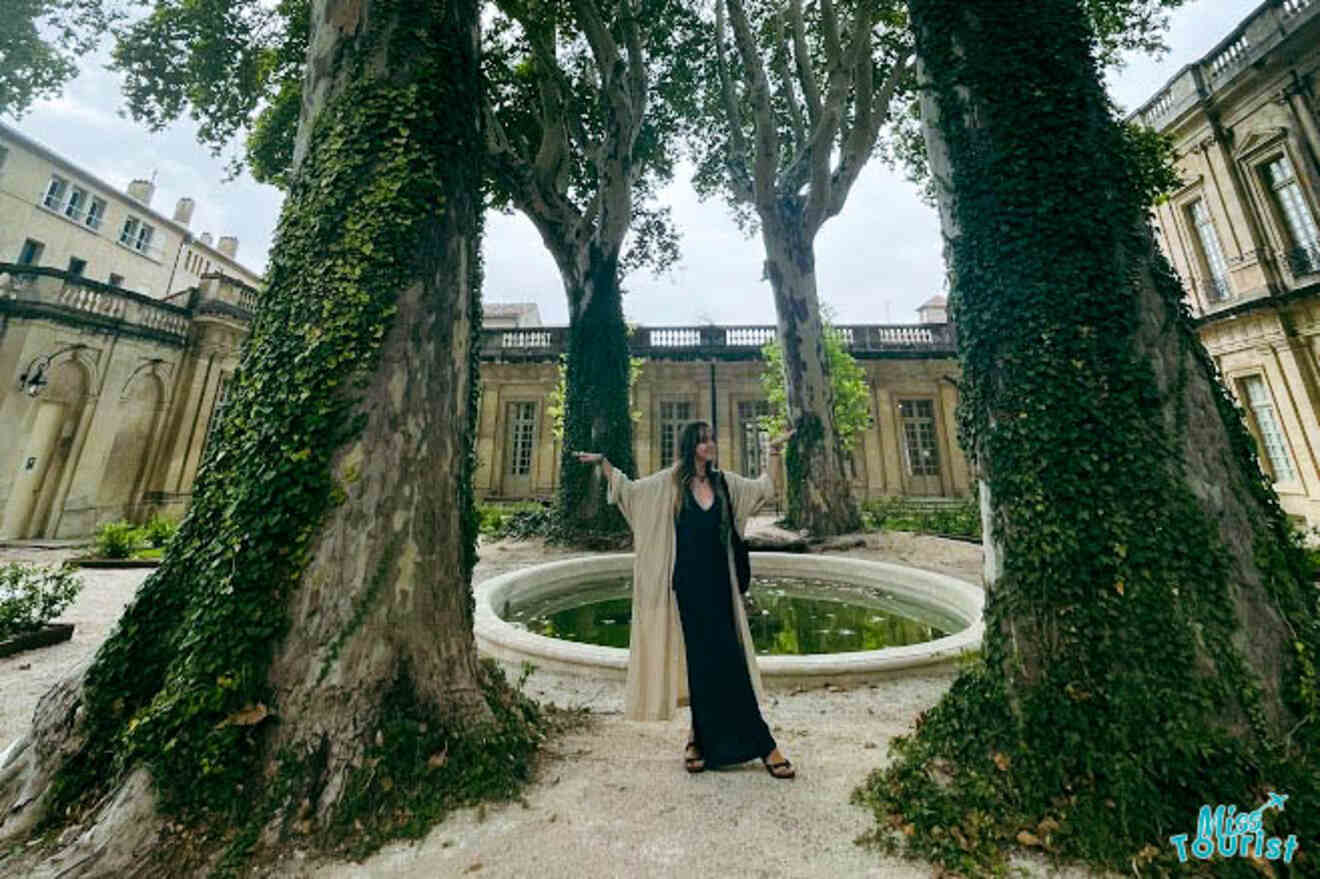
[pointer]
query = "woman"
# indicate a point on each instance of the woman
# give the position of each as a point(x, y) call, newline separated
point(689, 632)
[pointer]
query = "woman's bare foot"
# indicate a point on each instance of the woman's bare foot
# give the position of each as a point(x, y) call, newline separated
point(777, 765)
point(692, 760)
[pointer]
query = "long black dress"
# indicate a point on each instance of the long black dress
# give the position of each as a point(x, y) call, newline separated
point(726, 720)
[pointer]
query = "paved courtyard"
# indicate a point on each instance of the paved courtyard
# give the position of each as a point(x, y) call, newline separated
point(612, 799)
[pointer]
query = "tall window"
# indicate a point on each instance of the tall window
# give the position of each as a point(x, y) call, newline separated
point(1304, 255)
point(77, 266)
point(55, 190)
point(755, 438)
point(921, 451)
point(77, 203)
point(95, 213)
point(1267, 428)
point(522, 435)
point(30, 255)
point(673, 415)
point(1212, 255)
point(136, 234)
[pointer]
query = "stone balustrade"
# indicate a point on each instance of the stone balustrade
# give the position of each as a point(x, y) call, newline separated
point(722, 342)
point(1251, 40)
point(53, 292)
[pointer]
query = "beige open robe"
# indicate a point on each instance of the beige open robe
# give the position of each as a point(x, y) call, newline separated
point(657, 663)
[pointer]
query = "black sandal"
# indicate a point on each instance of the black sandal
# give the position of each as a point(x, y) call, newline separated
point(781, 770)
point(690, 763)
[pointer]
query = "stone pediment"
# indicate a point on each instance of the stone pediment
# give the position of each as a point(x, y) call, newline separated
point(1256, 139)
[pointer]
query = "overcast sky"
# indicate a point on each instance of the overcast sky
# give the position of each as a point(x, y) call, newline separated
point(876, 262)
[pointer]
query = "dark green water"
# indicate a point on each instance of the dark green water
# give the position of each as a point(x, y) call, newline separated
point(794, 617)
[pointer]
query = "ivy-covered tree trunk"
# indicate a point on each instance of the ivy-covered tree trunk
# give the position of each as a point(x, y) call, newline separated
point(303, 661)
point(820, 496)
point(597, 415)
point(1151, 641)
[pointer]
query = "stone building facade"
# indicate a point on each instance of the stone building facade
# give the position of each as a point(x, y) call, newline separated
point(118, 329)
point(1242, 231)
point(57, 215)
point(119, 332)
point(713, 373)
point(107, 396)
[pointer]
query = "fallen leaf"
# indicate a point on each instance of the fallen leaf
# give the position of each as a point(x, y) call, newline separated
point(1048, 826)
point(1002, 761)
point(1026, 837)
point(248, 715)
point(909, 829)
point(438, 759)
point(1118, 587)
point(1262, 866)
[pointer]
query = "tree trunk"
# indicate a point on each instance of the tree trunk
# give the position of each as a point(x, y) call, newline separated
point(597, 414)
point(309, 632)
point(1150, 639)
point(820, 496)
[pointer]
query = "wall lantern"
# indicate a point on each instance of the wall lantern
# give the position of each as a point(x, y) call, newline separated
point(33, 379)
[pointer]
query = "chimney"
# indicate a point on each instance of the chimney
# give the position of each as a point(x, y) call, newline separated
point(228, 246)
point(142, 190)
point(206, 238)
point(183, 211)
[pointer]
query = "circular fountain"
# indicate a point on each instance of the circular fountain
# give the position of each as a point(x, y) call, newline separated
point(947, 597)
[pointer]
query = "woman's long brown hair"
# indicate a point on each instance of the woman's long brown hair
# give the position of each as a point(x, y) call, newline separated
point(685, 467)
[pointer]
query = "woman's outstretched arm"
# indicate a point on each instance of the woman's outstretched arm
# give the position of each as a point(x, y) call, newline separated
point(595, 458)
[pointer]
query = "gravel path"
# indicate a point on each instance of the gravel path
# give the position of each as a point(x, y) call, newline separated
point(612, 799)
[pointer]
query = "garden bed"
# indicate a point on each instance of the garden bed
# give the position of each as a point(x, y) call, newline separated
point(93, 562)
point(47, 635)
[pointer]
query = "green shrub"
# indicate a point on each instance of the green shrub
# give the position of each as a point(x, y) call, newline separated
point(526, 524)
point(159, 530)
point(117, 540)
point(31, 595)
point(961, 519)
point(512, 519)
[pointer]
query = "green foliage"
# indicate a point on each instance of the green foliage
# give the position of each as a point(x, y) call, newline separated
point(852, 409)
point(1149, 153)
point(387, 156)
point(41, 43)
point(159, 531)
point(1120, 27)
point(1116, 695)
point(495, 519)
point(225, 65)
point(554, 401)
point(32, 595)
point(117, 540)
point(959, 519)
point(420, 767)
point(123, 539)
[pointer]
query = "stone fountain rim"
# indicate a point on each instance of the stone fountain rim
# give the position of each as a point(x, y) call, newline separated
point(507, 642)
